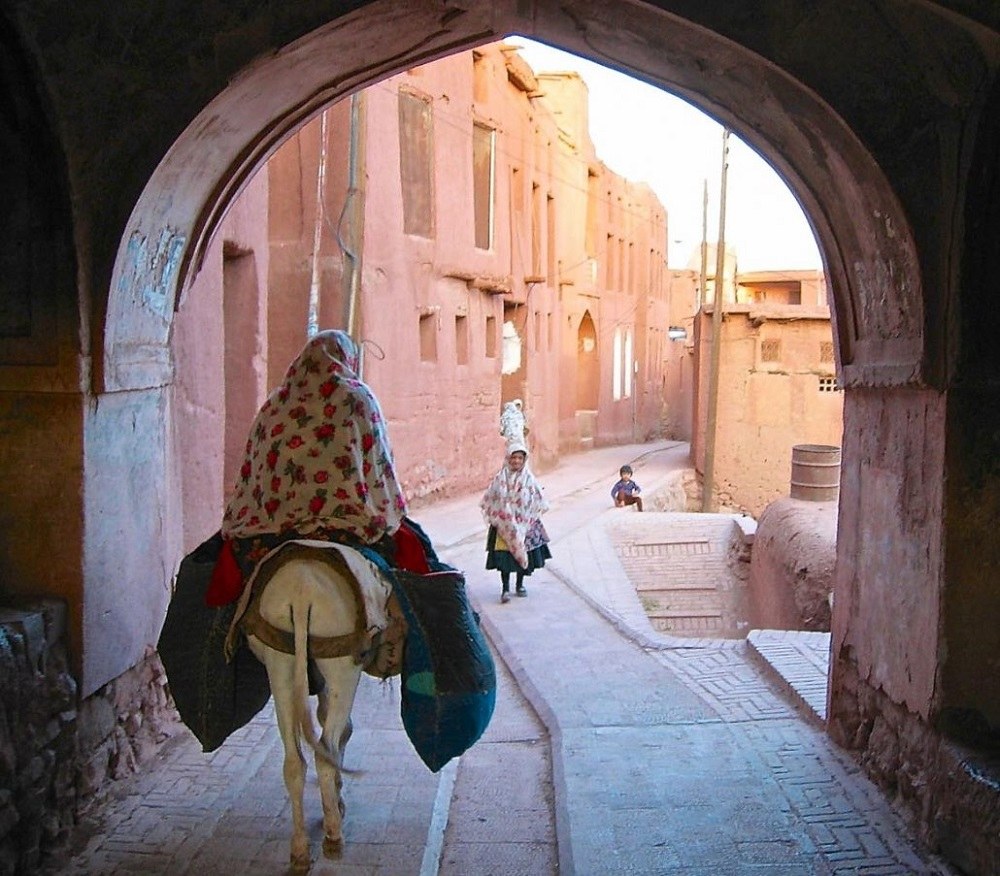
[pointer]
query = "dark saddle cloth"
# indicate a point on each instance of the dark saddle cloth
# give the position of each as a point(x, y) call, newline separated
point(214, 696)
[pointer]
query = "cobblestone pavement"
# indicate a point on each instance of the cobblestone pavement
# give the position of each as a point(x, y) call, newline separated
point(614, 749)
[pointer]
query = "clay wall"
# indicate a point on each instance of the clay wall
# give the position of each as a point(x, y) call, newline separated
point(792, 568)
point(777, 388)
point(679, 361)
point(433, 301)
point(221, 360)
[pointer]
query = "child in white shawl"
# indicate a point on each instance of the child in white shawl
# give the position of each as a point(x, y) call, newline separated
point(512, 506)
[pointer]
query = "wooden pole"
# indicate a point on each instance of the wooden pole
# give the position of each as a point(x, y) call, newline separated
point(711, 426)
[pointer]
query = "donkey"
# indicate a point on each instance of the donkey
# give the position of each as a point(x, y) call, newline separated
point(310, 610)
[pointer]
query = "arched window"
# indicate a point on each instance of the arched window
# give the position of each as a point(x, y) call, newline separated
point(616, 365)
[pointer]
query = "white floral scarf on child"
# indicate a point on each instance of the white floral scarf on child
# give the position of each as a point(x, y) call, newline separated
point(512, 503)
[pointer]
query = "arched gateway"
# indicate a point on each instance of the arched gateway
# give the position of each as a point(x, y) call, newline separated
point(891, 157)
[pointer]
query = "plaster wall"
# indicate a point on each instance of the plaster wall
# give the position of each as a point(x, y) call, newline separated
point(199, 405)
point(678, 360)
point(439, 410)
point(248, 298)
point(612, 265)
point(529, 151)
point(438, 420)
point(132, 532)
point(890, 547)
point(636, 224)
point(766, 407)
point(577, 169)
point(220, 354)
point(775, 287)
point(301, 200)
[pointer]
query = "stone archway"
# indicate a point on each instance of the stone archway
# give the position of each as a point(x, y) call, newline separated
point(869, 252)
point(825, 95)
point(588, 372)
point(587, 364)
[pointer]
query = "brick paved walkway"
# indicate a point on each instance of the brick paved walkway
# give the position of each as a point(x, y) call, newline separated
point(615, 749)
point(204, 814)
point(680, 566)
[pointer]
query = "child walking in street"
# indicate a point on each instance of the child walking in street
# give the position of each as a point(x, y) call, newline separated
point(512, 506)
point(626, 491)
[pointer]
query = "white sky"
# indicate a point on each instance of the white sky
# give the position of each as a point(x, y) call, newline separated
point(646, 134)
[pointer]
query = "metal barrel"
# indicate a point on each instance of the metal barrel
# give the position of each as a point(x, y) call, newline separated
point(815, 472)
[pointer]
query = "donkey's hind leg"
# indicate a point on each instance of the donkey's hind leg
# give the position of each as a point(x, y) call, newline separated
point(281, 674)
point(336, 701)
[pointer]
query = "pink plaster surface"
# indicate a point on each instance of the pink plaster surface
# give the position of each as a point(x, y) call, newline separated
point(890, 558)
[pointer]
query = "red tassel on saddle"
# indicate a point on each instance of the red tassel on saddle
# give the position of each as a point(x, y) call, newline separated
point(409, 551)
point(227, 579)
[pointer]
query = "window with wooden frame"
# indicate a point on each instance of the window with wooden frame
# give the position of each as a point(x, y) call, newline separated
point(483, 183)
point(416, 162)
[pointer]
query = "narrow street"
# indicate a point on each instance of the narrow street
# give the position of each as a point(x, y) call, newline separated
point(611, 751)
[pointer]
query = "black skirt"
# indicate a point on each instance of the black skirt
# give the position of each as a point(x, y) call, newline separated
point(503, 560)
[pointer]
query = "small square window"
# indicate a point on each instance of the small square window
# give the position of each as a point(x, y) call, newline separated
point(491, 337)
point(828, 384)
point(461, 340)
point(770, 350)
point(428, 337)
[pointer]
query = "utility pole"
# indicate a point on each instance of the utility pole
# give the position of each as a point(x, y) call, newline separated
point(703, 280)
point(354, 251)
point(315, 280)
point(708, 479)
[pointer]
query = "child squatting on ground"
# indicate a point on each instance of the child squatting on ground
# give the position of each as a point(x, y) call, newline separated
point(626, 491)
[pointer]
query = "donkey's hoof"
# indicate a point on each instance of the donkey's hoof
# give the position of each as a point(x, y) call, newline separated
point(301, 863)
point(333, 848)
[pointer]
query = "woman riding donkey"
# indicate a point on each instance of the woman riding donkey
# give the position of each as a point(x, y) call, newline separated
point(318, 468)
point(318, 465)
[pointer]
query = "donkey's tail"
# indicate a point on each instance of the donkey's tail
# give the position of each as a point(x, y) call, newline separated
point(303, 718)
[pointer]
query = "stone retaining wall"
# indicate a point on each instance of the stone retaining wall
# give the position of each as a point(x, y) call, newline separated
point(947, 778)
point(57, 753)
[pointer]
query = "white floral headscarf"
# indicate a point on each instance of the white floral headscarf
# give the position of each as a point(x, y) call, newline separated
point(318, 456)
point(512, 502)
